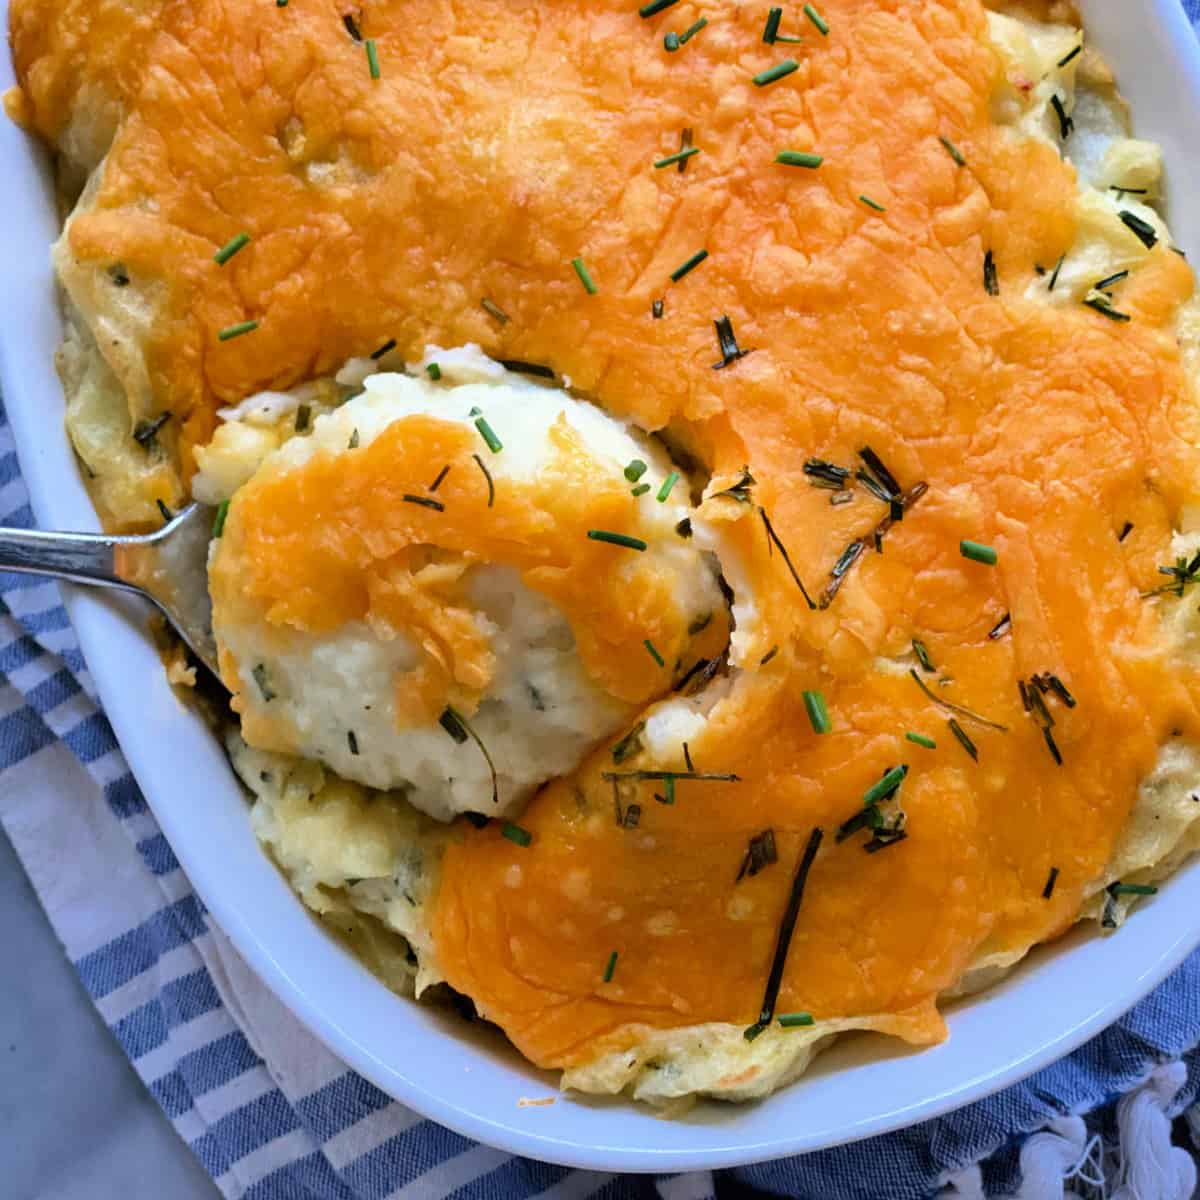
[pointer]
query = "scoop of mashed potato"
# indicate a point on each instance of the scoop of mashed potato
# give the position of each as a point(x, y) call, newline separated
point(455, 584)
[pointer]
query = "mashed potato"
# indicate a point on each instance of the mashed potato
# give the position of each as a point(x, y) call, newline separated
point(449, 666)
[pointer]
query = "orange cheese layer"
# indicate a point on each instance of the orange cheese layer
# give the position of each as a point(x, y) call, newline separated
point(335, 540)
point(502, 141)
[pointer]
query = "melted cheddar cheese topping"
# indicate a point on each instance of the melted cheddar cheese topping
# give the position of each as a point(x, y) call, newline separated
point(500, 143)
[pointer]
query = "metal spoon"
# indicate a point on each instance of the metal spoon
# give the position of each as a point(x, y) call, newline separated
point(168, 567)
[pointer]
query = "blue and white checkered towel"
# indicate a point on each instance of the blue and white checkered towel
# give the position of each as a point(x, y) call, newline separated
point(272, 1115)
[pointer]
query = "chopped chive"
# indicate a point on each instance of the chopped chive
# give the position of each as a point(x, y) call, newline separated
point(488, 476)
point(281, 3)
point(352, 444)
point(668, 483)
point(1126, 530)
point(1143, 230)
point(684, 528)
point(610, 966)
point(760, 853)
point(770, 654)
point(791, 41)
point(978, 552)
point(655, 7)
point(1131, 889)
point(957, 708)
point(991, 284)
point(585, 276)
point(687, 758)
point(232, 331)
point(640, 490)
point(771, 32)
point(691, 31)
point(352, 742)
point(826, 474)
point(262, 679)
point(773, 539)
point(654, 654)
point(1062, 62)
point(656, 309)
point(794, 1019)
point(1052, 745)
point(690, 265)
point(952, 150)
point(919, 739)
point(872, 204)
point(515, 834)
point(1062, 258)
point(799, 158)
point(1048, 890)
point(818, 20)
point(730, 352)
point(886, 478)
point(437, 483)
point(494, 444)
point(685, 141)
point(779, 71)
point(671, 42)
point(477, 820)
point(433, 371)
point(678, 156)
point(230, 248)
point(1065, 123)
point(1105, 309)
point(632, 817)
point(521, 367)
point(351, 26)
point(218, 527)
point(963, 740)
point(457, 726)
point(1108, 281)
point(818, 712)
point(886, 786)
point(616, 539)
point(634, 470)
point(144, 432)
point(787, 927)
point(390, 344)
point(494, 310)
point(694, 776)
point(425, 501)
point(303, 415)
point(669, 789)
point(1001, 627)
point(752, 1031)
point(629, 745)
point(922, 653)
point(372, 58)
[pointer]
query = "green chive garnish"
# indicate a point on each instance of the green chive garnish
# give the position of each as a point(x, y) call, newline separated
point(219, 519)
point(635, 470)
point(616, 539)
point(585, 276)
point(230, 248)
point(872, 204)
point(654, 654)
point(433, 371)
point(655, 7)
point(232, 331)
point(771, 32)
point(799, 158)
point(919, 739)
point(494, 444)
point(952, 150)
point(671, 42)
point(691, 31)
point(494, 310)
point(779, 71)
point(281, 3)
point(514, 833)
point(691, 264)
point(818, 713)
point(372, 58)
point(640, 490)
point(792, 1020)
point(752, 1032)
point(1132, 889)
point(816, 18)
point(610, 967)
point(678, 156)
point(885, 786)
point(978, 552)
point(668, 483)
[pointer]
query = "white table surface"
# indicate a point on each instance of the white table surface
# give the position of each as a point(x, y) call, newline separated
point(75, 1121)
